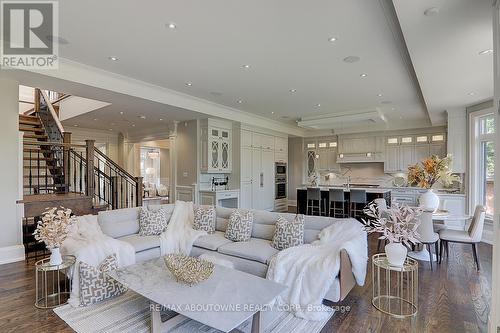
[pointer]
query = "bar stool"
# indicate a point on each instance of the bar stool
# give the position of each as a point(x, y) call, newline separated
point(313, 197)
point(357, 198)
point(336, 197)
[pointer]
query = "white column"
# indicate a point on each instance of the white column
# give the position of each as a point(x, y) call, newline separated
point(11, 247)
point(173, 162)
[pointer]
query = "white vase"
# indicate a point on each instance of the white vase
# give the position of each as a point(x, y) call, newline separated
point(429, 201)
point(55, 256)
point(396, 254)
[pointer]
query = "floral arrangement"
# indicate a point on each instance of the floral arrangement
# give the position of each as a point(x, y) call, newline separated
point(397, 224)
point(54, 227)
point(430, 170)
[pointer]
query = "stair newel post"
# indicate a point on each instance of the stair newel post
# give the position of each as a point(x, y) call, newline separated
point(139, 191)
point(114, 192)
point(66, 148)
point(89, 183)
point(37, 101)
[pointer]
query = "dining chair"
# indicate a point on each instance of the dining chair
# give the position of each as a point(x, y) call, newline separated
point(471, 236)
point(427, 236)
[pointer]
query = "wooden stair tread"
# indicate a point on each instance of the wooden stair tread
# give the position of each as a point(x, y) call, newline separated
point(36, 136)
point(31, 129)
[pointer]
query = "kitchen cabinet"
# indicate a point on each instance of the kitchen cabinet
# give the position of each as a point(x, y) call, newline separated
point(262, 179)
point(406, 156)
point(321, 155)
point(281, 144)
point(262, 141)
point(246, 139)
point(422, 151)
point(391, 163)
point(225, 198)
point(216, 147)
point(438, 149)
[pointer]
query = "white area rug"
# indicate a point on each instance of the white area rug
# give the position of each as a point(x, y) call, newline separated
point(129, 313)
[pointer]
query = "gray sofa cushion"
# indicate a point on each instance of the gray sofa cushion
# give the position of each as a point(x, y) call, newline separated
point(120, 222)
point(141, 243)
point(255, 249)
point(212, 241)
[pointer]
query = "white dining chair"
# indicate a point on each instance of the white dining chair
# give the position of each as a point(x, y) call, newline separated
point(471, 236)
point(426, 234)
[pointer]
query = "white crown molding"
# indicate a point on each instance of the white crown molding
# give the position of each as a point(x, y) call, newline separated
point(95, 77)
point(10, 254)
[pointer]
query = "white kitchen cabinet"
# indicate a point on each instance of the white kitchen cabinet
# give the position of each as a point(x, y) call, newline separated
point(246, 139)
point(281, 144)
point(262, 141)
point(246, 195)
point(392, 159)
point(246, 164)
point(421, 152)
point(327, 159)
point(263, 179)
point(406, 157)
point(225, 198)
point(281, 157)
point(216, 147)
point(438, 149)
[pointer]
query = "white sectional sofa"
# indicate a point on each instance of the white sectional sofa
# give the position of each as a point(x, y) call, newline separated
point(252, 257)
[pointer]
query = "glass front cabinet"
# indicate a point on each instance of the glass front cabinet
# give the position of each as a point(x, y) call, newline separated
point(216, 154)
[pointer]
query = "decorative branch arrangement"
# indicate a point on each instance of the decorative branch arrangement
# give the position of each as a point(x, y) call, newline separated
point(397, 224)
point(54, 227)
point(430, 170)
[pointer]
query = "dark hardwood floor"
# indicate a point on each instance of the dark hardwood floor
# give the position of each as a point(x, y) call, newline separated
point(452, 298)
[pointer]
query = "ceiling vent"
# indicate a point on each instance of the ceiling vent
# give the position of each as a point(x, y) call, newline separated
point(342, 120)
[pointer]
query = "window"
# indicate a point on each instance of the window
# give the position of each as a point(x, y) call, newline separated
point(408, 139)
point(322, 145)
point(483, 160)
point(332, 144)
point(422, 139)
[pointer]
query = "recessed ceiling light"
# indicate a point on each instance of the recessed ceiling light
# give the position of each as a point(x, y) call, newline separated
point(488, 51)
point(363, 75)
point(95, 119)
point(76, 125)
point(246, 66)
point(471, 94)
point(133, 125)
point(318, 105)
point(113, 58)
point(121, 112)
point(272, 112)
point(393, 109)
point(110, 129)
point(351, 59)
point(240, 101)
point(142, 117)
point(171, 25)
point(433, 11)
point(189, 84)
point(161, 119)
point(293, 90)
point(332, 39)
point(380, 95)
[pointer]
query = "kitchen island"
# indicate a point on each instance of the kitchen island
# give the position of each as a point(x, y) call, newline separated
point(371, 194)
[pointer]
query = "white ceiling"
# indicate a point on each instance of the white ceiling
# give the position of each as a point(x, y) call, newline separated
point(444, 49)
point(285, 42)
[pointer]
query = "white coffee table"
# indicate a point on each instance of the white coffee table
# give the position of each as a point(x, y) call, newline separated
point(224, 301)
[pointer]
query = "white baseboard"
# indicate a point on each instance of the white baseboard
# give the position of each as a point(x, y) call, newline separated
point(10, 254)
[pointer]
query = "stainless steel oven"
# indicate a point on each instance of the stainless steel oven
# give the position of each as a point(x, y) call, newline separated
point(280, 180)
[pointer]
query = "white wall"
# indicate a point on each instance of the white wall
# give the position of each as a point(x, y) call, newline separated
point(187, 147)
point(11, 248)
point(108, 138)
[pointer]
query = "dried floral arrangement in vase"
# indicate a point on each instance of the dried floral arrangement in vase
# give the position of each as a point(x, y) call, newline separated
point(426, 174)
point(398, 224)
point(53, 229)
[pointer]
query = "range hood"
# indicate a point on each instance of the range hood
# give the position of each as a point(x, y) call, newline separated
point(343, 119)
point(368, 157)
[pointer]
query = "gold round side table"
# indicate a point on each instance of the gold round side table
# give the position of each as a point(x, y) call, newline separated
point(395, 289)
point(52, 282)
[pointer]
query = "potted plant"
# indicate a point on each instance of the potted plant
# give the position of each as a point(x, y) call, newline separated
point(53, 230)
point(398, 224)
point(426, 174)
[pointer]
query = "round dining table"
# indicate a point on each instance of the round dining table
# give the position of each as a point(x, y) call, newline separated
point(439, 221)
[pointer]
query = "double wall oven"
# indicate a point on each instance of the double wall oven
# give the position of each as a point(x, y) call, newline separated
point(280, 180)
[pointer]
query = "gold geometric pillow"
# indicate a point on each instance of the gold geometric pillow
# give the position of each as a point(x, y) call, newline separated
point(239, 227)
point(204, 219)
point(95, 285)
point(288, 234)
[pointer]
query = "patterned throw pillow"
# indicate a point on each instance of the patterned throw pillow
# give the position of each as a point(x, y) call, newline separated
point(95, 285)
point(239, 227)
point(288, 234)
point(152, 222)
point(204, 219)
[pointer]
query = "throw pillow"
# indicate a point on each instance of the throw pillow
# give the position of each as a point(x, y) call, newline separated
point(239, 227)
point(152, 222)
point(95, 285)
point(204, 219)
point(288, 234)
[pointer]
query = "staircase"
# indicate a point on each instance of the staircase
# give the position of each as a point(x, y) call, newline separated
point(57, 172)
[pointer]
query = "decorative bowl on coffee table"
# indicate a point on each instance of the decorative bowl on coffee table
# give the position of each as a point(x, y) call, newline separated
point(188, 270)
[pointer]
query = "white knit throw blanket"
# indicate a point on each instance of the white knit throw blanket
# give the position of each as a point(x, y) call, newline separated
point(310, 270)
point(180, 235)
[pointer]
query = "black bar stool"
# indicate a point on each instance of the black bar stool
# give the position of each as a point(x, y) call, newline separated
point(357, 203)
point(336, 203)
point(313, 197)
